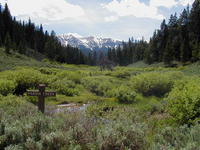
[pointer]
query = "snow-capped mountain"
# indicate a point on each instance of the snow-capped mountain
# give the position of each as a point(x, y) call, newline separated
point(90, 43)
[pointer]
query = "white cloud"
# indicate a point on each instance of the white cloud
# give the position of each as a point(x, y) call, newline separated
point(132, 8)
point(186, 2)
point(48, 10)
point(111, 18)
point(163, 3)
point(138, 9)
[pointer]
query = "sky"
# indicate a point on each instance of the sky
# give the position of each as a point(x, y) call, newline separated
point(117, 19)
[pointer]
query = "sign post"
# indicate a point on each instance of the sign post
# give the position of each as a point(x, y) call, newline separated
point(41, 96)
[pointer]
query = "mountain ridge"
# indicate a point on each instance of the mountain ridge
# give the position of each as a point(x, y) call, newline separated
point(89, 43)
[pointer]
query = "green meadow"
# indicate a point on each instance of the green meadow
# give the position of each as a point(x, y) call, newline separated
point(138, 107)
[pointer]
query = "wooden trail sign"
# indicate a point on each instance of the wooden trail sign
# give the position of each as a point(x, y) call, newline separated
point(41, 96)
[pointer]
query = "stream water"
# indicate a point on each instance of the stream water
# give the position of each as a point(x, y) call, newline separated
point(65, 108)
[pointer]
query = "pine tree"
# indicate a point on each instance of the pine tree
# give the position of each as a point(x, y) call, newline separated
point(21, 47)
point(173, 21)
point(194, 20)
point(1, 42)
point(168, 53)
point(195, 51)
point(7, 43)
point(50, 49)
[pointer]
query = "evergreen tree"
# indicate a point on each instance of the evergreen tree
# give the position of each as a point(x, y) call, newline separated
point(173, 21)
point(196, 51)
point(21, 47)
point(168, 53)
point(194, 19)
point(7, 43)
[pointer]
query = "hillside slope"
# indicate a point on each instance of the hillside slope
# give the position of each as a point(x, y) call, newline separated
point(9, 61)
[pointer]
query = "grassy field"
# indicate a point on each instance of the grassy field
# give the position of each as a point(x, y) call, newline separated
point(138, 107)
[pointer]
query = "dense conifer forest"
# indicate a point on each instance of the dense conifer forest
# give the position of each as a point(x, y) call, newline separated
point(175, 41)
point(22, 36)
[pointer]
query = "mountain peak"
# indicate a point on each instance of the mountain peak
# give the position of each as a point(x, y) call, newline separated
point(72, 34)
point(89, 43)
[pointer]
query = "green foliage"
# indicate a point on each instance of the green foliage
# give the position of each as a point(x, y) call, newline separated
point(121, 135)
point(27, 78)
point(48, 71)
point(155, 83)
point(181, 137)
point(123, 74)
point(25, 128)
point(100, 85)
point(184, 100)
point(125, 95)
point(7, 87)
point(66, 87)
point(11, 100)
point(74, 76)
point(106, 122)
point(100, 108)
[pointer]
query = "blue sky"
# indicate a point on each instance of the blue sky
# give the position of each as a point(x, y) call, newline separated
point(118, 19)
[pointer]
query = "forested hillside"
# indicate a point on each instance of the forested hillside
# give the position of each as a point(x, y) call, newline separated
point(21, 36)
point(176, 40)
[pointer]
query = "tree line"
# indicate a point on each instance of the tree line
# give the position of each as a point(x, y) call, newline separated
point(128, 53)
point(23, 36)
point(177, 40)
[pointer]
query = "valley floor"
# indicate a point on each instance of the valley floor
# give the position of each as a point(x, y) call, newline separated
point(138, 108)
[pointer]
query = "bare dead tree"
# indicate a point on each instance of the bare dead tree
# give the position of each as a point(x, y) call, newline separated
point(105, 63)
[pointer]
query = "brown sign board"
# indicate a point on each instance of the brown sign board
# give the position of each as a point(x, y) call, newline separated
point(41, 93)
point(37, 93)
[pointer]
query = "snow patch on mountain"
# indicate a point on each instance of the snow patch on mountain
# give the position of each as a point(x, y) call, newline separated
point(90, 43)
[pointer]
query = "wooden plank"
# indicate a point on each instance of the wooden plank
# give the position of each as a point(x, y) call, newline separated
point(37, 93)
point(33, 93)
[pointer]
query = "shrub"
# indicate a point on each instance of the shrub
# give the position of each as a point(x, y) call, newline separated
point(7, 87)
point(121, 74)
point(183, 138)
point(11, 100)
point(184, 100)
point(100, 108)
point(100, 85)
point(73, 76)
point(48, 71)
point(122, 134)
point(25, 79)
point(155, 84)
point(125, 95)
point(23, 127)
point(65, 87)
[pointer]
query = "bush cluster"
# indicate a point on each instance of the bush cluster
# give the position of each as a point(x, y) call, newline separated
point(155, 83)
point(183, 138)
point(25, 128)
point(65, 87)
point(25, 79)
point(125, 95)
point(74, 76)
point(100, 85)
point(184, 100)
point(7, 87)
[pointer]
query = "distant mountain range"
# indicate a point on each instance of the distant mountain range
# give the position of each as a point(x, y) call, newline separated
point(87, 44)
